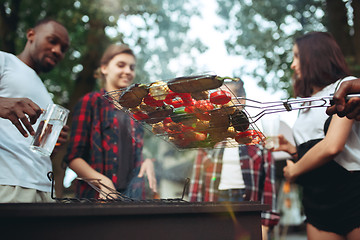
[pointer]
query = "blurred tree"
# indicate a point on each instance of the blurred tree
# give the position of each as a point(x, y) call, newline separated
point(265, 31)
point(157, 36)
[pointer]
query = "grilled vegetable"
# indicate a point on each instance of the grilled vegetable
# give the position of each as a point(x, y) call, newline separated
point(159, 114)
point(133, 95)
point(179, 115)
point(239, 121)
point(158, 90)
point(203, 95)
point(149, 100)
point(199, 83)
point(139, 115)
point(220, 97)
point(249, 137)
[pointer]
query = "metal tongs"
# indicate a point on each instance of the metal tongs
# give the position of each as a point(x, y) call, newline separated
point(286, 105)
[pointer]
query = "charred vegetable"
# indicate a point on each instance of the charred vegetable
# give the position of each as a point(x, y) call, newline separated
point(220, 97)
point(158, 90)
point(159, 114)
point(179, 115)
point(198, 83)
point(239, 121)
point(133, 95)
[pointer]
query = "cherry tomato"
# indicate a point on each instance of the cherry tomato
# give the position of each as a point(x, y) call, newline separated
point(249, 137)
point(174, 99)
point(203, 106)
point(220, 97)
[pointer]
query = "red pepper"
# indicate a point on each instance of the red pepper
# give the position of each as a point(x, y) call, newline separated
point(187, 99)
point(174, 99)
point(203, 106)
point(220, 97)
point(249, 137)
point(149, 100)
point(202, 109)
point(140, 115)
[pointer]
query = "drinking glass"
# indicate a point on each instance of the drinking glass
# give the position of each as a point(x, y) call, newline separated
point(52, 121)
point(271, 126)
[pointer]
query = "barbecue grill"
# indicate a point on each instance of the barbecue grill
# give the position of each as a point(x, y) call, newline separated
point(123, 218)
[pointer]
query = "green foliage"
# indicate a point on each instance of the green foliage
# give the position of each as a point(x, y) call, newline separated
point(265, 31)
point(92, 25)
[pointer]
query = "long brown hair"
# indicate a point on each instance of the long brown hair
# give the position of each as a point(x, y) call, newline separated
point(110, 52)
point(321, 62)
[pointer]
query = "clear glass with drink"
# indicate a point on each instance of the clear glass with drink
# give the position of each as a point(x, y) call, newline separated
point(270, 128)
point(52, 121)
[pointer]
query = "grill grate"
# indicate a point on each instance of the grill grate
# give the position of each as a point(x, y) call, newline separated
point(114, 196)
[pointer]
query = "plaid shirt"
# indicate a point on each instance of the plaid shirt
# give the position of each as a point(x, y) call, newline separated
point(258, 171)
point(100, 137)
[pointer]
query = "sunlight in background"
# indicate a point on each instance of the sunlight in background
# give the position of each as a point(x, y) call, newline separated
point(215, 60)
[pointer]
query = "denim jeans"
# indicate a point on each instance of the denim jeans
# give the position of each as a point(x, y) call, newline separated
point(231, 195)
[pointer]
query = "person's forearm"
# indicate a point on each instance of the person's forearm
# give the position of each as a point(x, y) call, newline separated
point(326, 149)
point(83, 169)
point(314, 158)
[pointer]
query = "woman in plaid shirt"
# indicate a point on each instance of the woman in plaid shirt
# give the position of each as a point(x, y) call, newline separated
point(239, 174)
point(105, 143)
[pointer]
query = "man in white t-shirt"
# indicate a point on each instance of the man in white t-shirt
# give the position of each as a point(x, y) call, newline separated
point(23, 173)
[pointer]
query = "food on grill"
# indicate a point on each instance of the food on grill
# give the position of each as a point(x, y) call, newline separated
point(178, 99)
point(159, 114)
point(140, 115)
point(243, 138)
point(174, 127)
point(133, 95)
point(220, 97)
point(149, 100)
point(202, 95)
point(219, 120)
point(145, 107)
point(202, 125)
point(193, 84)
point(231, 132)
point(217, 135)
point(249, 137)
point(188, 112)
point(239, 120)
point(158, 90)
point(203, 109)
point(158, 128)
point(179, 115)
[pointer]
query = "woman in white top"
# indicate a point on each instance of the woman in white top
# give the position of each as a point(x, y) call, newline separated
point(327, 149)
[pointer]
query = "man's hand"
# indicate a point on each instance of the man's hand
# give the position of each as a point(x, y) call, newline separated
point(20, 110)
point(351, 108)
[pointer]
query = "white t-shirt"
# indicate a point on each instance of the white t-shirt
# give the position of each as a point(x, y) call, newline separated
point(19, 166)
point(310, 125)
point(231, 175)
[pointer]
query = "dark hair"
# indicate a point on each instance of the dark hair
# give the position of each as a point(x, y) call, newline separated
point(110, 53)
point(321, 62)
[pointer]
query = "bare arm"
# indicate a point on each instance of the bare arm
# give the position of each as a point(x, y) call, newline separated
point(147, 167)
point(84, 170)
point(322, 152)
